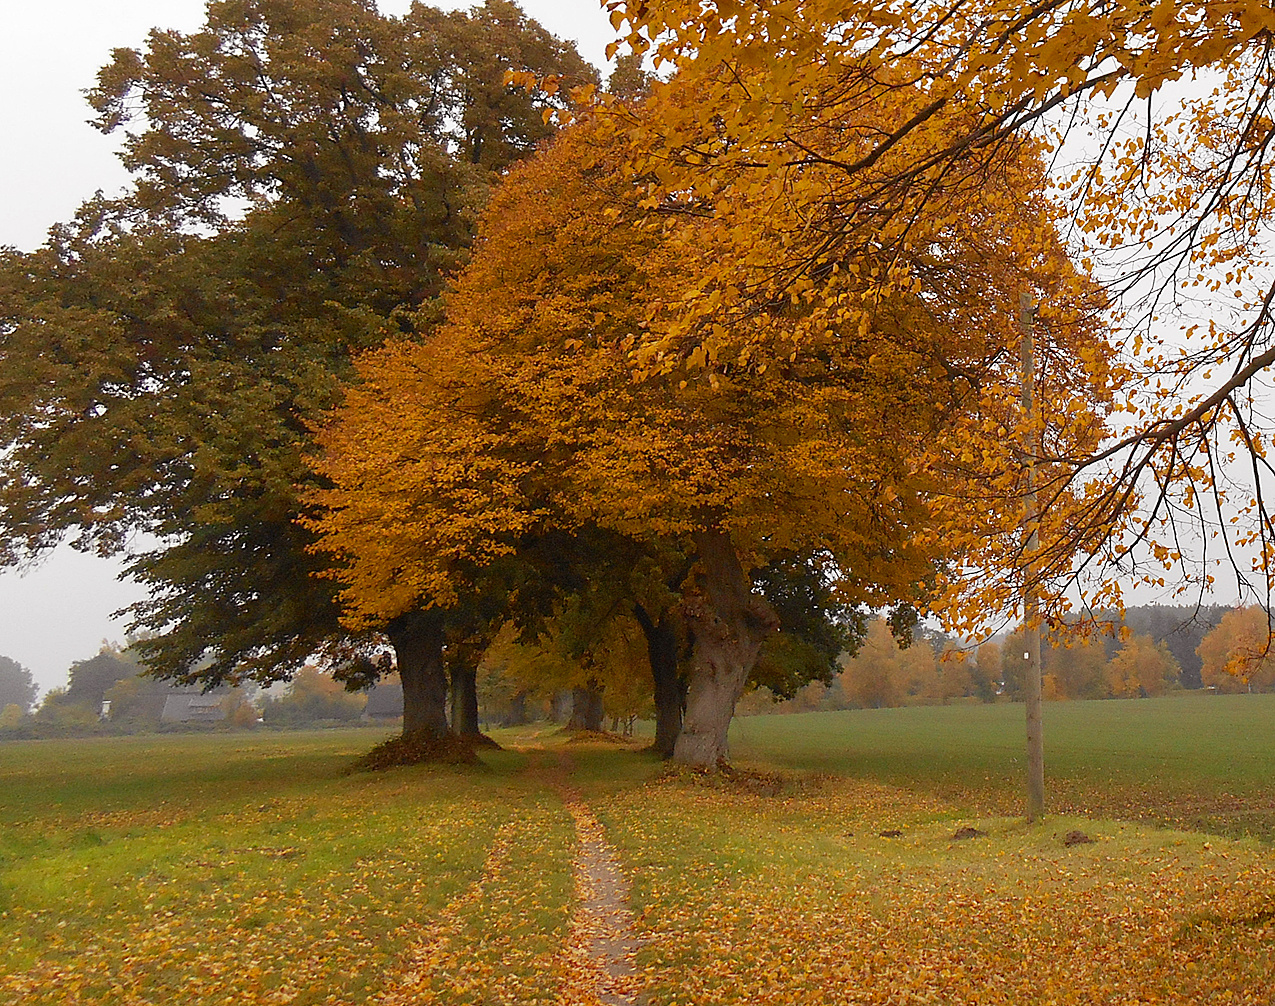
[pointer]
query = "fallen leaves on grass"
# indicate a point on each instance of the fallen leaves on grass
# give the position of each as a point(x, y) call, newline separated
point(771, 902)
point(316, 908)
point(419, 749)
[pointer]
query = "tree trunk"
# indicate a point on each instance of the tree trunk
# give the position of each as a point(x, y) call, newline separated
point(517, 714)
point(729, 624)
point(586, 707)
point(670, 687)
point(560, 707)
point(465, 701)
point(417, 638)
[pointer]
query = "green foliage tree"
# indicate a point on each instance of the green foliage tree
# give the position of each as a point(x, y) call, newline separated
point(17, 687)
point(90, 680)
point(137, 700)
point(306, 175)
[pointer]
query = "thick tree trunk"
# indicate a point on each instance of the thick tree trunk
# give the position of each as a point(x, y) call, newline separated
point(586, 707)
point(670, 687)
point(560, 707)
point(517, 714)
point(728, 623)
point(417, 638)
point(465, 701)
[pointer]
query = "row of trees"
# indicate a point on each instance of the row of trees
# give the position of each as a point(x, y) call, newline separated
point(732, 354)
point(1231, 656)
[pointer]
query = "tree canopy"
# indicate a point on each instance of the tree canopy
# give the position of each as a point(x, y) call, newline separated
point(17, 687)
point(1156, 119)
point(306, 176)
point(607, 359)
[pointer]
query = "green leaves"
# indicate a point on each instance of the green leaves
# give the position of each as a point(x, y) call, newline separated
point(306, 178)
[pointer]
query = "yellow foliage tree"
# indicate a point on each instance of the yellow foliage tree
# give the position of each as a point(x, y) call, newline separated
point(1078, 670)
point(613, 358)
point(1171, 188)
point(1142, 668)
point(880, 673)
point(1236, 655)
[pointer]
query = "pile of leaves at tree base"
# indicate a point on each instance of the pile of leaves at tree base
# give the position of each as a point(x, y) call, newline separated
point(731, 778)
point(420, 748)
point(596, 737)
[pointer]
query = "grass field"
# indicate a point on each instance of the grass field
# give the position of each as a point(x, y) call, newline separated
point(255, 868)
point(1196, 761)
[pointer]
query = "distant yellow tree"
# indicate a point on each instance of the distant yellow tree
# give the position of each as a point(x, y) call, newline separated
point(1237, 656)
point(881, 674)
point(955, 674)
point(1142, 668)
point(1078, 671)
point(987, 672)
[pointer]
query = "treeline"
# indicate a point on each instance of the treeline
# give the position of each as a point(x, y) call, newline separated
point(1153, 650)
point(111, 693)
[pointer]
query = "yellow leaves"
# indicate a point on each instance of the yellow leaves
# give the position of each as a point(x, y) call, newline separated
point(837, 911)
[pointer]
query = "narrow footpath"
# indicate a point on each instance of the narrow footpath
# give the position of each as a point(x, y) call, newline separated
point(603, 939)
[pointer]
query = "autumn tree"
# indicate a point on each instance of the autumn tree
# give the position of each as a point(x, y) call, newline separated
point(1142, 668)
point(305, 177)
point(1076, 668)
point(1158, 116)
point(572, 385)
point(1236, 656)
point(875, 676)
point(1181, 628)
point(309, 697)
point(987, 672)
point(956, 673)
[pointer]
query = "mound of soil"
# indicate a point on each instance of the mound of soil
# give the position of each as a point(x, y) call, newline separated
point(1076, 837)
point(418, 749)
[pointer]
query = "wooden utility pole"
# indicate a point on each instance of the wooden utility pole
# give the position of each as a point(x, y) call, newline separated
point(1031, 542)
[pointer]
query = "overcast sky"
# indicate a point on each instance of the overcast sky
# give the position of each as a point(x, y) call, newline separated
point(50, 161)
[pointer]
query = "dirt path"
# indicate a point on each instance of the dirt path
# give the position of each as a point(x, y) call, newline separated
point(596, 966)
point(598, 959)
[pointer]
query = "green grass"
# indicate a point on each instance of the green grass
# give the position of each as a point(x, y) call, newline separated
point(235, 867)
point(255, 868)
point(1204, 762)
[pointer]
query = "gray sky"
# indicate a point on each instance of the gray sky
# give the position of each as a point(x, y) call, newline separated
point(50, 162)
